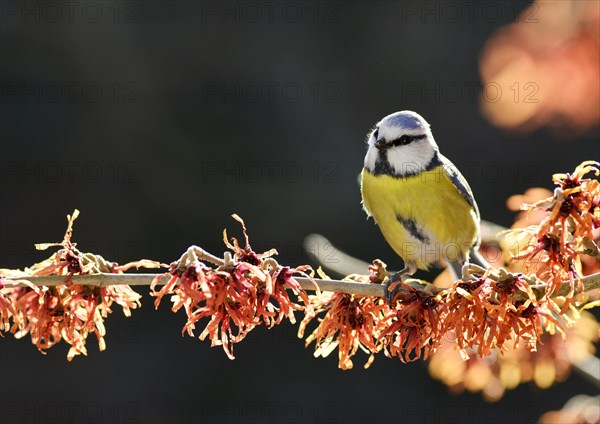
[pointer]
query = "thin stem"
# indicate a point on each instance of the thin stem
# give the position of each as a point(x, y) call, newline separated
point(103, 280)
point(195, 253)
point(589, 282)
point(589, 368)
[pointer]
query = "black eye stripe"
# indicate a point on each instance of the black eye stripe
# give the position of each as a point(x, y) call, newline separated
point(402, 141)
point(407, 139)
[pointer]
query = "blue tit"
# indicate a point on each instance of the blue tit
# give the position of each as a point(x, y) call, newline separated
point(422, 204)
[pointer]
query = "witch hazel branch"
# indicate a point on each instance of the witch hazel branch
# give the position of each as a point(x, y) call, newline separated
point(68, 296)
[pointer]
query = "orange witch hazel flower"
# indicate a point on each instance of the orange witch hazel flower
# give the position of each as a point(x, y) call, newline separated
point(554, 248)
point(68, 312)
point(488, 311)
point(498, 311)
point(413, 329)
point(7, 311)
point(350, 321)
point(245, 289)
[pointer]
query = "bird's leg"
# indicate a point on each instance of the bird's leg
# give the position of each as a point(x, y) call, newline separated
point(476, 259)
point(458, 269)
point(392, 287)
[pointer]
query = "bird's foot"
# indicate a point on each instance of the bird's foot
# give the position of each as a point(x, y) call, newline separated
point(393, 287)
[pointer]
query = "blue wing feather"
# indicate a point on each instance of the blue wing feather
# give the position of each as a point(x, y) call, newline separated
point(461, 184)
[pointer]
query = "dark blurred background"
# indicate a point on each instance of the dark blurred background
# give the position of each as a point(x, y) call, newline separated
point(159, 119)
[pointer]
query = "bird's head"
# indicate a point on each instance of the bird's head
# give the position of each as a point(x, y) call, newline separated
point(400, 144)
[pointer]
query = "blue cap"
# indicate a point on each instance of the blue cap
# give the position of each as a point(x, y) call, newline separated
point(406, 119)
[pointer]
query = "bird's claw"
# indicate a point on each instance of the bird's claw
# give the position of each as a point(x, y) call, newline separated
point(390, 295)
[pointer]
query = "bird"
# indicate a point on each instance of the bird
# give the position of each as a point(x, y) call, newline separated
point(420, 201)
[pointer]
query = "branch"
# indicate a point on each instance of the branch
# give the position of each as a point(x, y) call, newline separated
point(328, 256)
point(336, 261)
point(589, 368)
point(102, 280)
point(589, 282)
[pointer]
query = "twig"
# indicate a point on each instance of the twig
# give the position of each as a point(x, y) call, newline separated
point(589, 368)
point(491, 232)
point(102, 280)
point(331, 258)
point(590, 282)
point(336, 261)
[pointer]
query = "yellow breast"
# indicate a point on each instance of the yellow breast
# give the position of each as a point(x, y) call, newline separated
point(424, 218)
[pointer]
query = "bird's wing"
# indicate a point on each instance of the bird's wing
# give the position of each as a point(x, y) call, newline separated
point(459, 182)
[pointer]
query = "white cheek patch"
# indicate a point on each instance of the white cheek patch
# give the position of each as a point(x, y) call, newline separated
point(412, 158)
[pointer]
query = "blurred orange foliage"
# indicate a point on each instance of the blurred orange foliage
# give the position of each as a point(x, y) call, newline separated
point(546, 66)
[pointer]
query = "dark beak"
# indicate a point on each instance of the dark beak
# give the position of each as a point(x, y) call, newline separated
point(381, 144)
